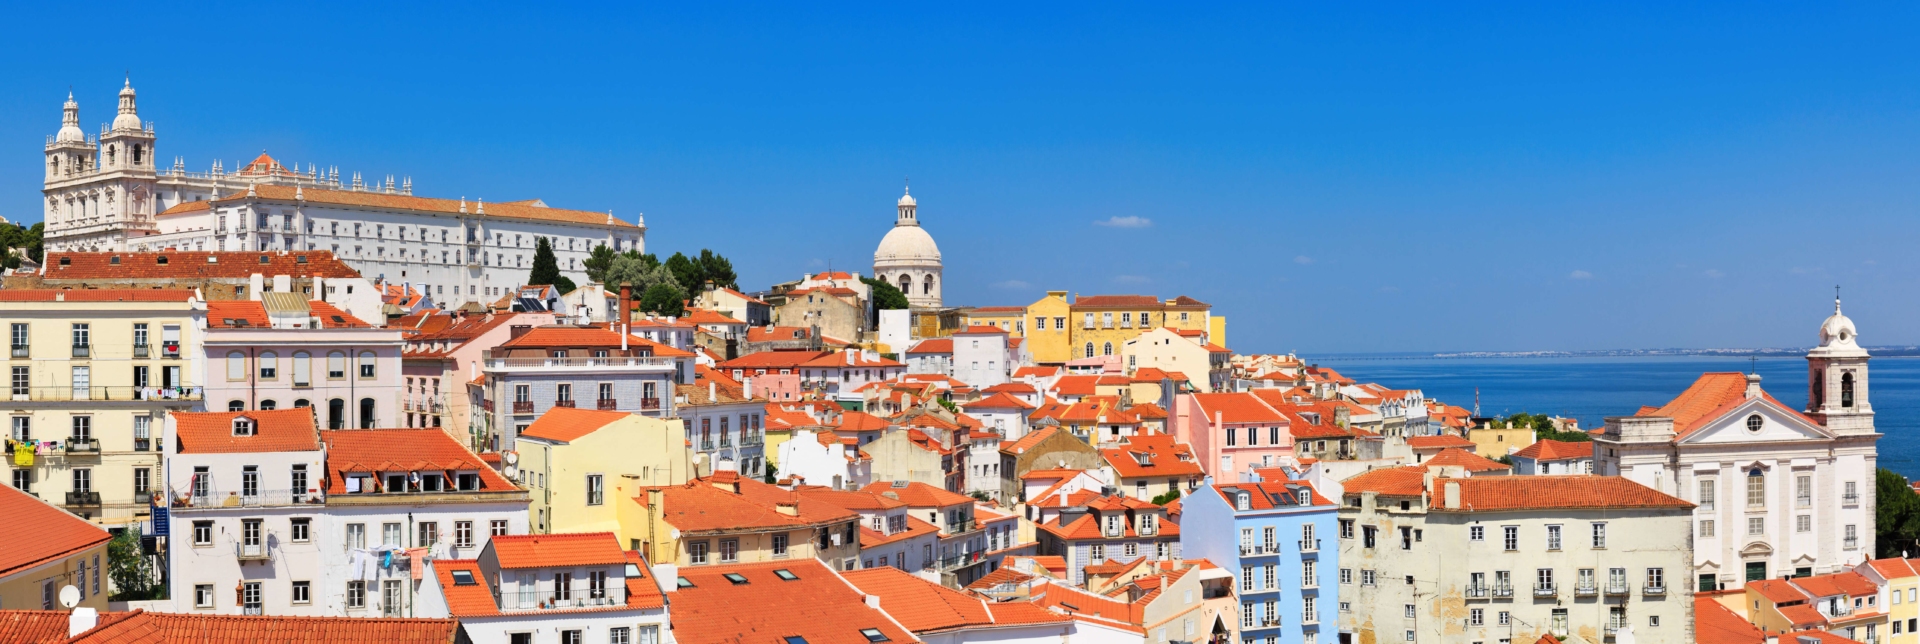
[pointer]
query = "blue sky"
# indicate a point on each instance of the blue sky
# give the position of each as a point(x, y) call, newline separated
point(1353, 178)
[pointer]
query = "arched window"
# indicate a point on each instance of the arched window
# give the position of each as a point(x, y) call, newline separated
point(1107, 349)
point(237, 405)
point(269, 365)
point(366, 413)
point(236, 365)
point(1089, 349)
point(336, 414)
point(906, 283)
point(1819, 390)
point(110, 155)
point(1846, 389)
point(366, 365)
point(301, 403)
point(926, 285)
point(1756, 488)
point(269, 405)
point(139, 154)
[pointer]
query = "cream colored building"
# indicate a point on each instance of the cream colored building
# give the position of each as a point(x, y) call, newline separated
point(91, 375)
point(581, 465)
point(1428, 558)
point(1168, 350)
point(725, 519)
point(48, 549)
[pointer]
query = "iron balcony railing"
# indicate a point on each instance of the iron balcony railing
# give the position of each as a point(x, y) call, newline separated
point(1586, 589)
point(706, 445)
point(1547, 589)
point(143, 498)
point(1309, 545)
point(563, 403)
point(523, 407)
point(580, 593)
point(170, 349)
point(82, 445)
point(105, 393)
point(1476, 591)
point(1850, 499)
point(251, 551)
point(1502, 590)
point(209, 498)
point(612, 361)
point(82, 350)
point(1654, 589)
point(607, 404)
point(83, 499)
point(1850, 543)
point(1256, 550)
point(21, 351)
point(649, 403)
point(140, 351)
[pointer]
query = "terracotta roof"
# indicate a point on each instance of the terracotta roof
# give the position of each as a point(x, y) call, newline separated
point(1000, 400)
point(1267, 495)
point(1802, 615)
point(1714, 623)
point(333, 317)
point(1498, 493)
point(95, 295)
point(981, 329)
point(833, 359)
point(859, 421)
point(919, 495)
point(1001, 575)
point(933, 345)
point(523, 551)
point(927, 607)
point(1778, 591)
point(403, 450)
point(817, 606)
point(1239, 407)
point(38, 533)
point(1441, 441)
point(704, 316)
point(700, 506)
point(567, 424)
point(1115, 300)
point(525, 209)
point(1839, 583)
point(1553, 450)
point(1893, 568)
point(1086, 385)
point(464, 601)
point(281, 430)
point(1028, 440)
point(1388, 481)
point(33, 626)
point(1463, 458)
point(1709, 397)
point(1074, 601)
point(187, 264)
point(1163, 457)
point(141, 627)
point(772, 333)
point(237, 313)
point(1037, 372)
point(573, 336)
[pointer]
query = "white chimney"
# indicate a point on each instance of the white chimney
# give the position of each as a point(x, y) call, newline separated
point(746, 388)
point(81, 620)
point(1753, 386)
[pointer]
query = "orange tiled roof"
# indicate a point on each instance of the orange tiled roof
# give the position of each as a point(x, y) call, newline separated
point(932, 345)
point(464, 601)
point(1267, 495)
point(567, 424)
point(1442, 441)
point(332, 317)
point(33, 626)
point(187, 264)
point(237, 313)
point(1497, 493)
point(1164, 456)
point(817, 606)
point(39, 533)
point(525, 209)
point(698, 506)
point(281, 430)
point(1000, 400)
point(1463, 458)
point(1709, 397)
point(141, 627)
point(523, 551)
point(95, 295)
point(1388, 481)
point(925, 607)
point(1238, 407)
point(402, 450)
point(1839, 583)
point(919, 495)
point(1893, 568)
point(1553, 450)
point(1028, 440)
point(1714, 623)
point(859, 421)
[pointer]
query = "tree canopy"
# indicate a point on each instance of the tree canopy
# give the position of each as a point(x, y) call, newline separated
point(131, 570)
point(546, 268)
point(22, 237)
point(1544, 429)
point(886, 297)
point(664, 298)
point(1896, 515)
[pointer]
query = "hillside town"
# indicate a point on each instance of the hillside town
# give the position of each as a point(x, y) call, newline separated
point(268, 399)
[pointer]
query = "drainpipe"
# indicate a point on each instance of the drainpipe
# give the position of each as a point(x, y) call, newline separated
point(252, 371)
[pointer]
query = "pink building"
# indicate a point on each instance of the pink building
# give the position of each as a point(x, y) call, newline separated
point(1232, 432)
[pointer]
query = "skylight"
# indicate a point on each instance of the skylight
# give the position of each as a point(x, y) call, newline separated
point(463, 578)
point(683, 583)
point(633, 570)
point(736, 578)
point(795, 639)
point(874, 635)
point(785, 575)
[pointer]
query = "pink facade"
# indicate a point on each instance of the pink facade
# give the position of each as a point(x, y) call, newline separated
point(1231, 432)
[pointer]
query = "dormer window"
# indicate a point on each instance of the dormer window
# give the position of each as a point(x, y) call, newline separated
point(396, 483)
point(1243, 502)
point(468, 482)
point(243, 426)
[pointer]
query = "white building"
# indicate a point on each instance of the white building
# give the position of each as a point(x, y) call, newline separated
point(555, 588)
point(1780, 492)
point(282, 350)
point(982, 357)
point(908, 258)
point(824, 458)
point(1005, 413)
point(106, 193)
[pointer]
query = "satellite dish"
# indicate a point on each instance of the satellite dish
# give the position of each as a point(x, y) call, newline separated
point(69, 596)
point(511, 471)
point(512, 458)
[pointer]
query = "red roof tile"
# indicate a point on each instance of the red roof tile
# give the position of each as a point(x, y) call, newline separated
point(1162, 455)
point(567, 424)
point(919, 495)
point(523, 551)
point(1267, 495)
point(1708, 398)
point(1388, 481)
point(33, 626)
point(817, 605)
point(95, 295)
point(1441, 441)
point(1239, 407)
point(464, 601)
point(926, 607)
point(1553, 450)
point(183, 264)
point(281, 430)
point(933, 345)
point(237, 313)
point(403, 450)
point(1000, 400)
point(1462, 458)
point(141, 627)
point(38, 533)
point(1714, 623)
point(699, 506)
point(1497, 493)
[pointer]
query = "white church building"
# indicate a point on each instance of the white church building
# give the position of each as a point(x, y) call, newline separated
point(106, 192)
point(1777, 491)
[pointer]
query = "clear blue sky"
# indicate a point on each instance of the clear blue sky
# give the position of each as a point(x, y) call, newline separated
point(1355, 178)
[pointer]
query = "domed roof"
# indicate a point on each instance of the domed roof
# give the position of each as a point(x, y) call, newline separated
point(906, 244)
point(1838, 329)
point(70, 122)
point(906, 199)
point(127, 120)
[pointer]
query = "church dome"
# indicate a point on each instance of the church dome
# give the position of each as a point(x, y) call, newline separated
point(127, 119)
point(70, 123)
point(906, 200)
point(1838, 329)
point(906, 244)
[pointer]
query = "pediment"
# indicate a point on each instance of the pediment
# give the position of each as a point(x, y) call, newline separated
point(1777, 424)
point(1756, 549)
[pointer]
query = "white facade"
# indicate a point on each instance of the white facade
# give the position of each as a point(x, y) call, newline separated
point(836, 465)
point(234, 529)
point(981, 357)
point(909, 259)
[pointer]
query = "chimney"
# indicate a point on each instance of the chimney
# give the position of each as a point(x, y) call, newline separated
point(626, 306)
point(713, 391)
point(746, 388)
point(1453, 495)
point(518, 330)
point(668, 575)
point(255, 283)
point(1753, 386)
point(789, 508)
point(81, 620)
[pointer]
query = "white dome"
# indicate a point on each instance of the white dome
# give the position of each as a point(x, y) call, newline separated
point(1838, 330)
point(70, 133)
point(126, 122)
point(906, 200)
point(906, 244)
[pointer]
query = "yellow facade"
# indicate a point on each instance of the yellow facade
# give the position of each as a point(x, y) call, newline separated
point(1903, 608)
point(90, 384)
point(643, 529)
point(1053, 343)
point(38, 588)
point(625, 455)
point(1497, 442)
point(1217, 330)
point(1011, 319)
point(1100, 328)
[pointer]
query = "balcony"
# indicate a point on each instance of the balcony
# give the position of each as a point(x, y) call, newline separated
point(1586, 589)
point(1612, 629)
point(240, 499)
point(1654, 590)
point(170, 349)
point(726, 443)
point(706, 446)
point(83, 499)
point(1502, 590)
point(1309, 545)
point(607, 404)
point(1257, 551)
point(559, 403)
point(140, 351)
point(1618, 588)
point(82, 351)
point(1545, 590)
point(1309, 619)
point(1850, 499)
point(959, 561)
point(577, 594)
point(523, 406)
point(650, 403)
point(251, 552)
point(142, 445)
point(1475, 591)
point(1850, 543)
point(21, 351)
point(611, 361)
point(83, 445)
point(143, 497)
point(104, 393)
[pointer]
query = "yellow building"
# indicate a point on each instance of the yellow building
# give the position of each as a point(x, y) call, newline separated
point(1011, 319)
point(91, 372)
point(1048, 338)
point(1495, 442)
point(1899, 582)
point(725, 519)
point(581, 464)
point(47, 550)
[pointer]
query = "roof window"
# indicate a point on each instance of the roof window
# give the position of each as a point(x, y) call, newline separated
point(874, 635)
point(794, 639)
point(633, 570)
point(683, 583)
point(243, 426)
point(463, 578)
point(265, 260)
point(114, 260)
point(162, 260)
point(785, 575)
point(737, 578)
point(66, 261)
point(300, 259)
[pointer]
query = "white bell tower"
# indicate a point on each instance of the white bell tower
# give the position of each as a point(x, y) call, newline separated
point(1837, 377)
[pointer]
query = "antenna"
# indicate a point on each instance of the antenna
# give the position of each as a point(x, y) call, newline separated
point(1755, 369)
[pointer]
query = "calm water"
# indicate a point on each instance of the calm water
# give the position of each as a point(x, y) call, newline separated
point(1591, 389)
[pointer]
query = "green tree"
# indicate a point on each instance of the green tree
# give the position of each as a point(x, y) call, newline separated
point(546, 268)
point(1896, 515)
point(597, 263)
point(634, 269)
point(130, 570)
point(886, 297)
point(687, 272)
point(717, 269)
point(664, 298)
point(1166, 497)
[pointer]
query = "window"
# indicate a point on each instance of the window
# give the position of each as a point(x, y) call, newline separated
point(301, 529)
point(366, 366)
point(269, 365)
point(1369, 535)
point(202, 596)
point(1346, 528)
point(1756, 488)
point(1476, 533)
point(1511, 537)
point(236, 365)
point(596, 489)
point(1803, 523)
point(336, 366)
point(1656, 580)
point(1599, 535)
point(302, 368)
point(1756, 526)
point(1755, 423)
point(1802, 491)
point(390, 534)
point(1346, 575)
point(1706, 527)
point(356, 594)
point(428, 533)
point(1553, 537)
point(356, 536)
point(697, 552)
point(1366, 577)
point(1705, 496)
point(498, 527)
point(302, 592)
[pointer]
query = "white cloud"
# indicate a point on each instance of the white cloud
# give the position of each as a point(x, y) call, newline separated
point(1128, 221)
point(1580, 275)
point(1012, 284)
point(1130, 279)
point(1715, 273)
point(1302, 260)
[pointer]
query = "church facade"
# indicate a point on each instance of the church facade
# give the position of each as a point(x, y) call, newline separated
point(908, 258)
point(106, 193)
point(1777, 491)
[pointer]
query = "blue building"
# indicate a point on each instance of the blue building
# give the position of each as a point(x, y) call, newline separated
point(1269, 534)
